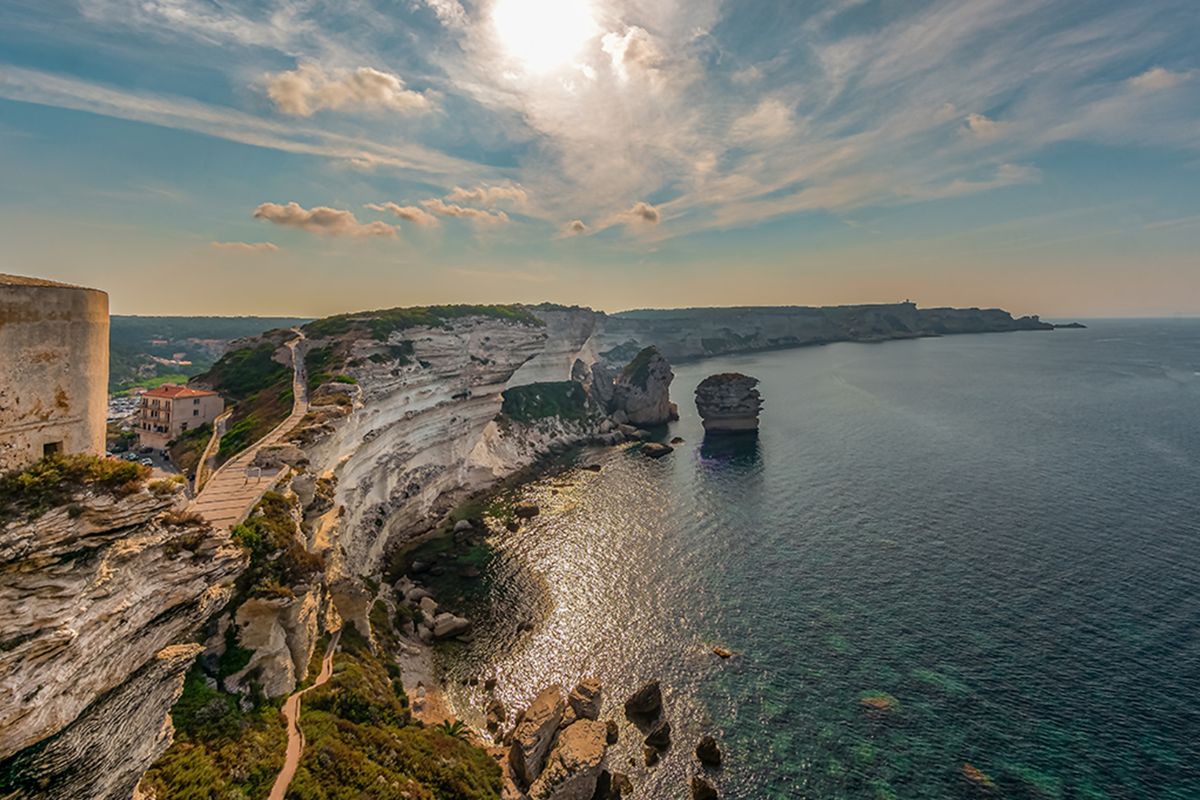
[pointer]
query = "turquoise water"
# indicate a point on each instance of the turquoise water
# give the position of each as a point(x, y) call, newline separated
point(1000, 533)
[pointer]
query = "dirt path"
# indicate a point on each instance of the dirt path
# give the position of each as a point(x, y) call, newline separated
point(234, 489)
point(291, 713)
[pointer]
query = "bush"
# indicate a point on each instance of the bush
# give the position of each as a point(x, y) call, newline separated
point(563, 399)
point(56, 478)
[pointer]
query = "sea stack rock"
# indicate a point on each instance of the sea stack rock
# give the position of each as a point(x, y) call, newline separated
point(643, 390)
point(729, 403)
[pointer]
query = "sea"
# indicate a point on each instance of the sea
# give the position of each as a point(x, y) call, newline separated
point(952, 567)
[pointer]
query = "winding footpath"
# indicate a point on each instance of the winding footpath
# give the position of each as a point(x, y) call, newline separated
point(234, 490)
point(291, 713)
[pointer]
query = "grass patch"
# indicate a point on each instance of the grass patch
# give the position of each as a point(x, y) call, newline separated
point(55, 479)
point(278, 558)
point(186, 450)
point(637, 371)
point(383, 323)
point(562, 399)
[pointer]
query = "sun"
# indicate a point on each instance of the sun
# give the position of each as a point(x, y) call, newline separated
point(544, 34)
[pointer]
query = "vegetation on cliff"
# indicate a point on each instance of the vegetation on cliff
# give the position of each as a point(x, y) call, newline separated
point(361, 740)
point(637, 371)
point(278, 558)
point(534, 401)
point(381, 324)
point(259, 386)
point(57, 478)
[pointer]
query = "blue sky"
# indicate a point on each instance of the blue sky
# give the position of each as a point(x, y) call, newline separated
point(312, 156)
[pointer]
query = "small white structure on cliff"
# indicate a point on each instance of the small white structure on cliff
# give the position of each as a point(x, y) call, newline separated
point(53, 370)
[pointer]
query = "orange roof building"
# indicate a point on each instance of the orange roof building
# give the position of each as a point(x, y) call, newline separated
point(167, 412)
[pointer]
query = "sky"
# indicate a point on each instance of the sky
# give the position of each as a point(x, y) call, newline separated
point(308, 157)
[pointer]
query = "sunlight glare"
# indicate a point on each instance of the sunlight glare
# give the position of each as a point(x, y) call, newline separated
point(544, 34)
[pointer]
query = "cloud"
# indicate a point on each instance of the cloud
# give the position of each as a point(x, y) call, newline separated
point(449, 12)
point(246, 247)
point(575, 227)
point(322, 220)
point(476, 215)
point(413, 214)
point(488, 195)
point(771, 119)
point(309, 88)
point(983, 127)
point(1156, 79)
point(633, 52)
point(643, 213)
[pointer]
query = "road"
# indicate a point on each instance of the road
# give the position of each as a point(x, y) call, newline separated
point(291, 713)
point(234, 490)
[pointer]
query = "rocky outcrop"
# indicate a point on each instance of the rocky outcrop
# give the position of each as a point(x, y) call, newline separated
point(709, 752)
point(282, 632)
point(90, 595)
point(642, 391)
point(585, 699)
point(534, 734)
point(103, 753)
point(574, 766)
point(646, 701)
point(729, 403)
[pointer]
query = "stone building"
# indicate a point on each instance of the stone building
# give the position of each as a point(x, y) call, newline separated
point(169, 411)
point(53, 370)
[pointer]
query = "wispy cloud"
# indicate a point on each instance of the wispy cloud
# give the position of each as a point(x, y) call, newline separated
point(321, 220)
point(309, 88)
point(488, 195)
point(476, 215)
point(246, 247)
point(413, 214)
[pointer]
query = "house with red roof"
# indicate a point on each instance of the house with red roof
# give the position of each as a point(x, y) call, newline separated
point(169, 411)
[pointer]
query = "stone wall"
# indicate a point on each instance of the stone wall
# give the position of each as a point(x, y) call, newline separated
point(53, 369)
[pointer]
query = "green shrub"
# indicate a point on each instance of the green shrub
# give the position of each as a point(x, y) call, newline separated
point(56, 478)
point(637, 371)
point(563, 399)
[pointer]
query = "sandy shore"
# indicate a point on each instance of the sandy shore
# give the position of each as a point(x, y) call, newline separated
point(429, 702)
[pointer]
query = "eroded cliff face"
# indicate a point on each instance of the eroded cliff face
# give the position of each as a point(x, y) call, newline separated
point(92, 596)
point(421, 430)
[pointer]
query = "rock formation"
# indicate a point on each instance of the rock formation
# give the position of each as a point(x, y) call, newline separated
point(92, 597)
point(641, 392)
point(729, 403)
point(559, 747)
point(533, 735)
point(574, 766)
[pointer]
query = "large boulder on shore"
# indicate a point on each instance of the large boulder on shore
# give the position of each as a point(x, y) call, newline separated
point(534, 734)
point(574, 766)
point(446, 625)
point(642, 391)
point(585, 699)
point(729, 403)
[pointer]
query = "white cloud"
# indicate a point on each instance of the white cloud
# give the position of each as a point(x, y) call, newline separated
point(1156, 79)
point(321, 220)
point(246, 247)
point(413, 214)
point(983, 127)
point(309, 88)
point(643, 213)
point(575, 227)
point(632, 53)
point(449, 12)
point(488, 195)
point(770, 120)
point(476, 215)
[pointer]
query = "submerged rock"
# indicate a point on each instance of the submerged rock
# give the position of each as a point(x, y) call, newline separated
point(656, 450)
point(645, 701)
point(526, 510)
point(729, 403)
point(708, 752)
point(702, 789)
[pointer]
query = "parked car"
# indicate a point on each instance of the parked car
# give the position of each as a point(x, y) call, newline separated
point(129, 456)
point(147, 462)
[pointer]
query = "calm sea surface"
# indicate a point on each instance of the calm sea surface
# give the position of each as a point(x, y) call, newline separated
point(997, 534)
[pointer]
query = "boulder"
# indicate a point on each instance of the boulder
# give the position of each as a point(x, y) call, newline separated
point(585, 699)
point(656, 450)
point(428, 606)
point(526, 510)
point(702, 789)
point(729, 403)
point(573, 768)
point(534, 733)
point(463, 525)
point(612, 731)
point(496, 714)
point(651, 755)
point(646, 701)
point(446, 625)
point(659, 736)
point(708, 752)
point(643, 389)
